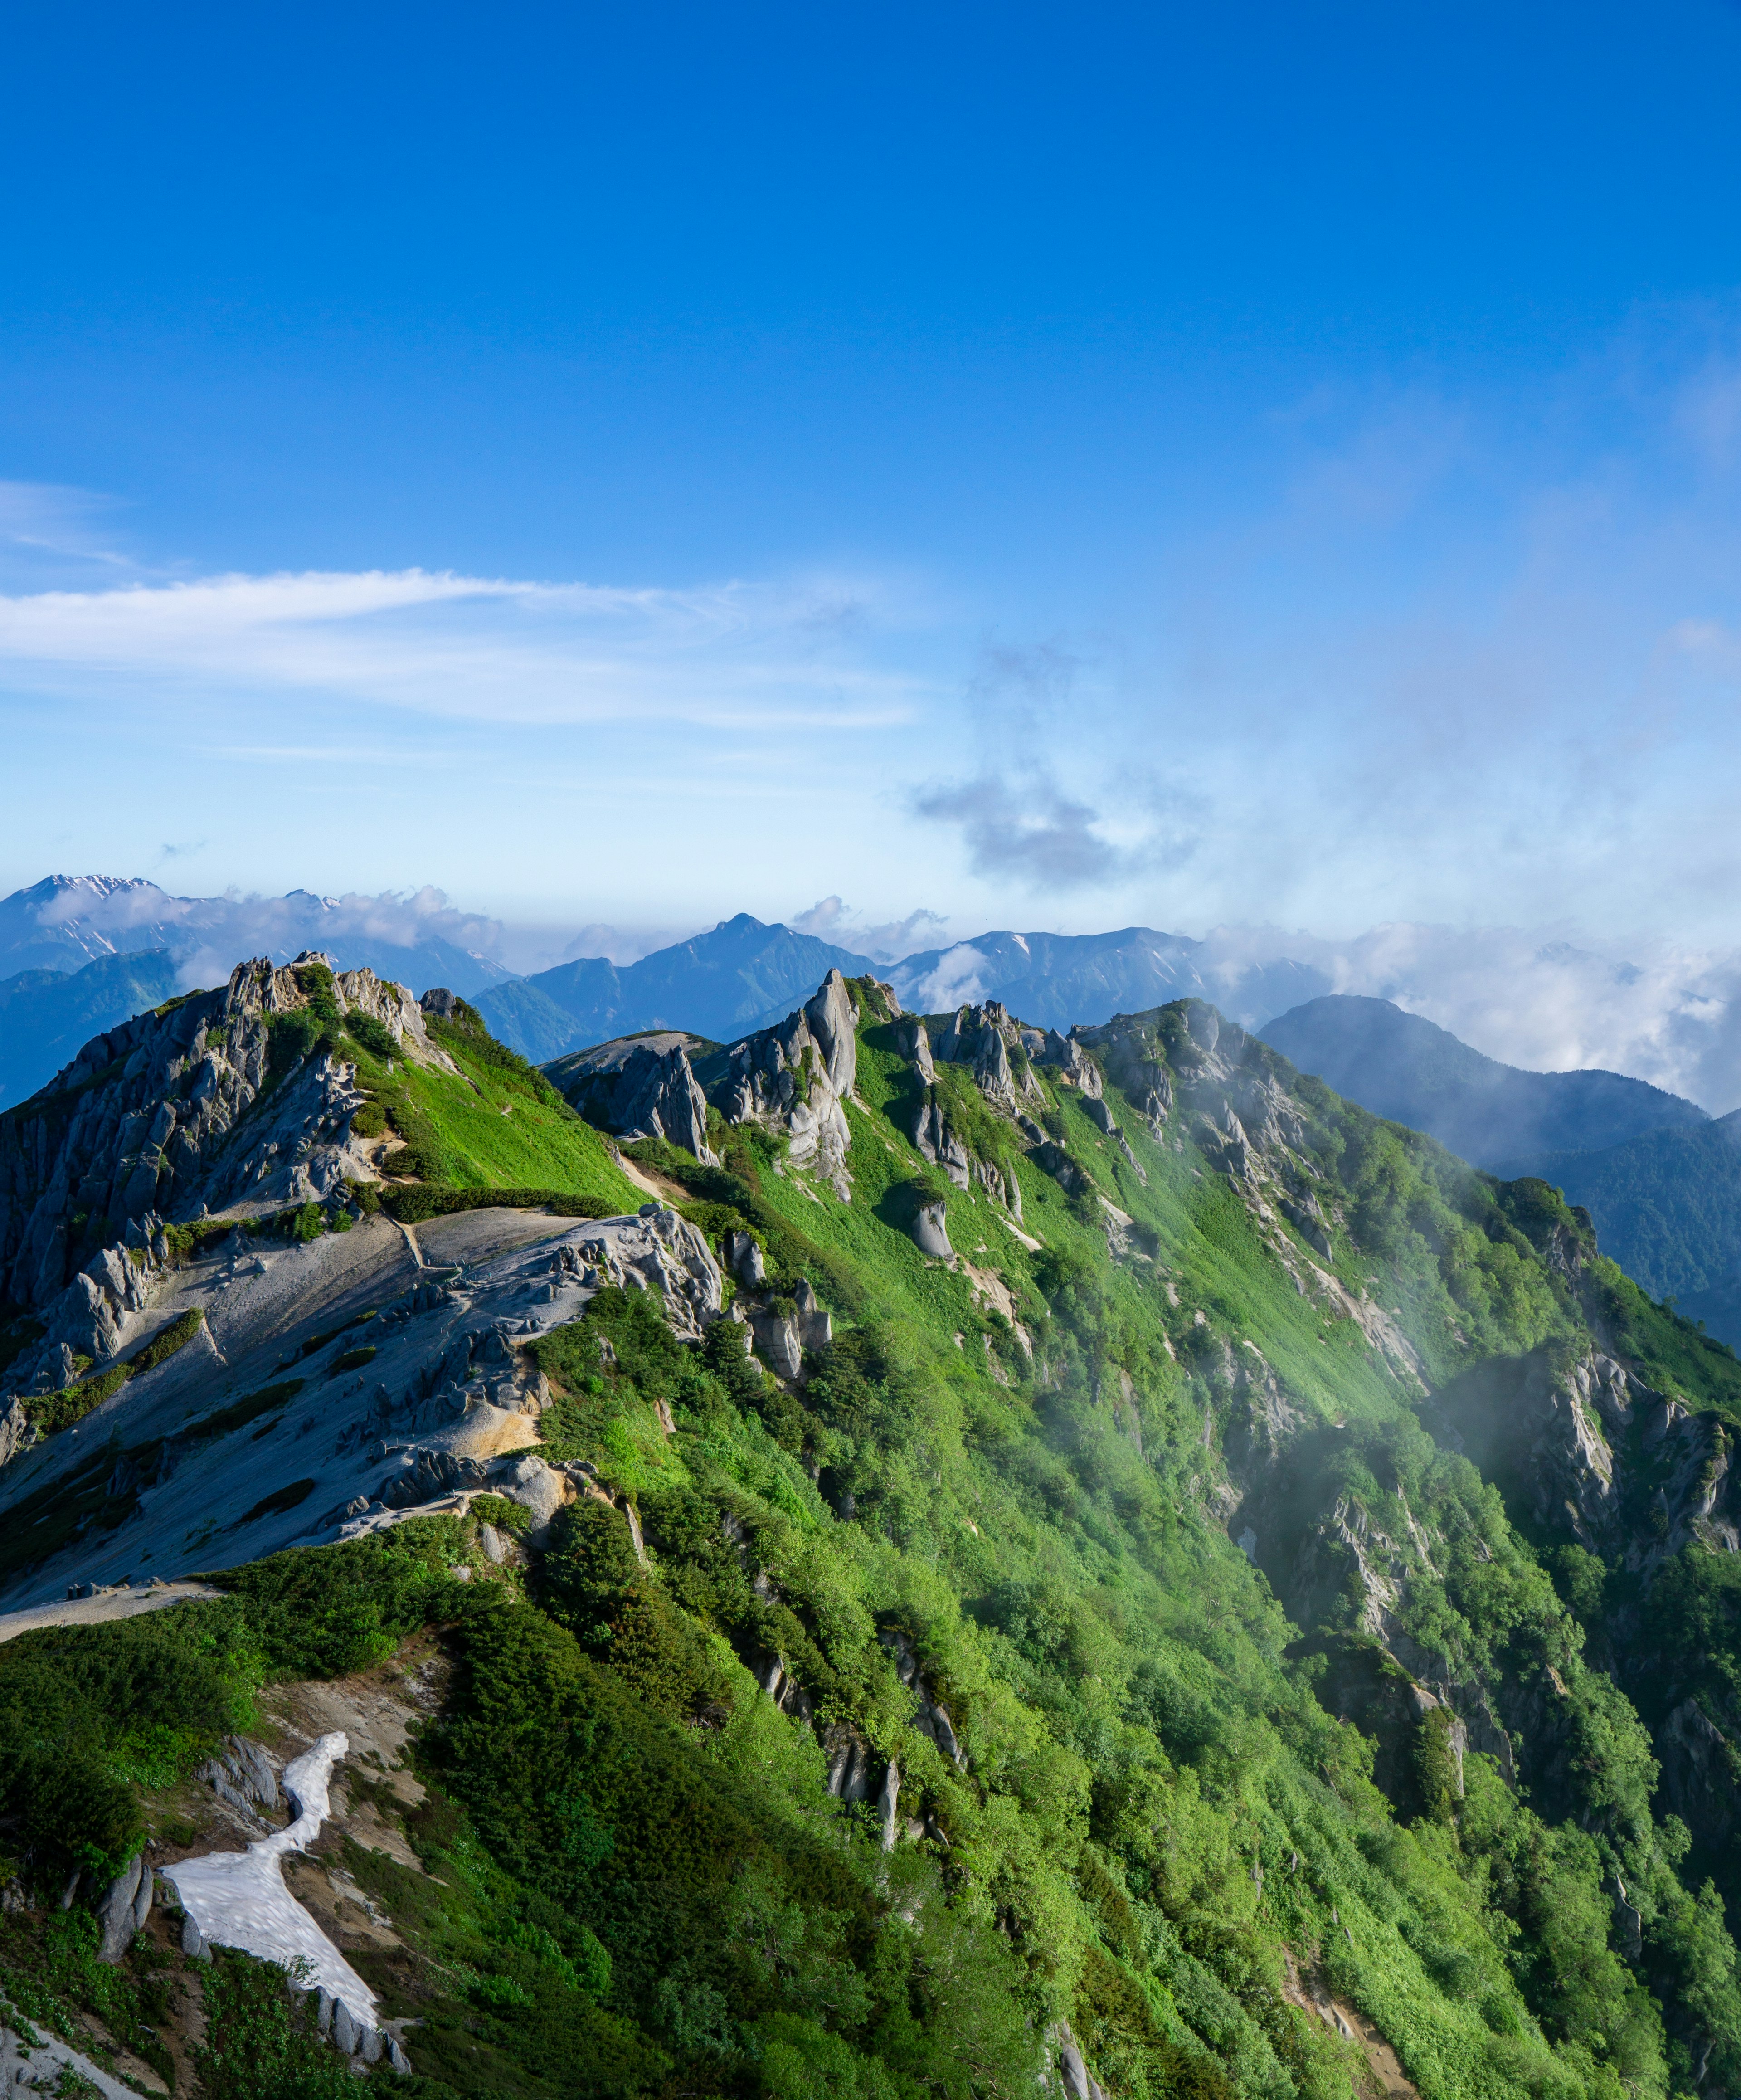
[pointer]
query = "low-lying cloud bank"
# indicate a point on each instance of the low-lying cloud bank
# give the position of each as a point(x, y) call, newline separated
point(1660, 1011)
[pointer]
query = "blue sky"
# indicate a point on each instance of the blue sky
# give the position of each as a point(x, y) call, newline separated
point(1046, 467)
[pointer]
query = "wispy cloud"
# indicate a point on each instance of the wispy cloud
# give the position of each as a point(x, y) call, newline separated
point(1029, 829)
point(831, 919)
point(730, 656)
point(44, 519)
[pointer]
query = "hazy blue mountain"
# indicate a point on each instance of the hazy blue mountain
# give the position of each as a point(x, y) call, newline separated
point(1055, 979)
point(1410, 1071)
point(66, 921)
point(745, 975)
point(46, 1016)
point(528, 1020)
point(722, 984)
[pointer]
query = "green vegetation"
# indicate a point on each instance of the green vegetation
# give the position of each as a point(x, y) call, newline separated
point(494, 1130)
point(1001, 1494)
point(240, 1413)
point(69, 1404)
point(417, 1202)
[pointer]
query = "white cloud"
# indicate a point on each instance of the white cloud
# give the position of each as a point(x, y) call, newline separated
point(1661, 1011)
point(730, 657)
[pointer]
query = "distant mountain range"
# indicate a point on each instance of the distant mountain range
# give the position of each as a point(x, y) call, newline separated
point(69, 920)
point(742, 976)
point(746, 975)
point(1055, 979)
point(81, 953)
point(1659, 1178)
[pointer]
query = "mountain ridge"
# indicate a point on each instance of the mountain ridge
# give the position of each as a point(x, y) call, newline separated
point(1405, 1067)
point(878, 1537)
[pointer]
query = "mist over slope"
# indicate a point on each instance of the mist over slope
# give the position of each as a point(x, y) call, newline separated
point(921, 1551)
point(1660, 1180)
point(1668, 1205)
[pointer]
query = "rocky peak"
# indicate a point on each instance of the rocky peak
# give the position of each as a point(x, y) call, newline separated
point(640, 1085)
point(795, 1078)
point(176, 1112)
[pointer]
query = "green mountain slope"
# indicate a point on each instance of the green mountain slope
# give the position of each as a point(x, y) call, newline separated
point(914, 1724)
point(1667, 1205)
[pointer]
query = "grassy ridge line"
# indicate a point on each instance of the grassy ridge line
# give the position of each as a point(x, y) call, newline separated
point(498, 1124)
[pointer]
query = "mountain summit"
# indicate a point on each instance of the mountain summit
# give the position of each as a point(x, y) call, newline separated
point(741, 976)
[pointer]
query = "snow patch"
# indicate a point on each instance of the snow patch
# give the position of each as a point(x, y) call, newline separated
point(238, 1899)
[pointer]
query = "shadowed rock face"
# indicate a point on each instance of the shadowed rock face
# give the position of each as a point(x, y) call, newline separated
point(639, 1086)
point(446, 1405)
point(160, 1119)
point(794, 1077)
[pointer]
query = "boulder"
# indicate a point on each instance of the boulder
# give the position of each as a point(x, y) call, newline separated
point(118, 1913)
point(743, 1258)
point(1053, 1159)
point(887, 1802)
point(933, 1138)
point(930, 1231)
point(815, 1326)
point(848, 1757)
point(777, 1342)
point(16, 1434)
point(535, 1486)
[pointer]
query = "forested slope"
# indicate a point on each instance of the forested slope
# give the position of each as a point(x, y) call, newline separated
point(1172, 1624)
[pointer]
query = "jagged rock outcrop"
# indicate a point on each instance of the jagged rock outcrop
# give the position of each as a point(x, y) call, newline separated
point(1073, 1068)
point(1556, 1426)
point(124, 1909)
point(930, 1230)
point(982, 1037)
point(1701, 1770)
point(743, 1258)
point(913, 1043)
point(815, 1323)
point(165, 1115)
point(795, 1078)
point(929, 1717)
point(776, 1342)
point(935, 1140)
point(639, 1086)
